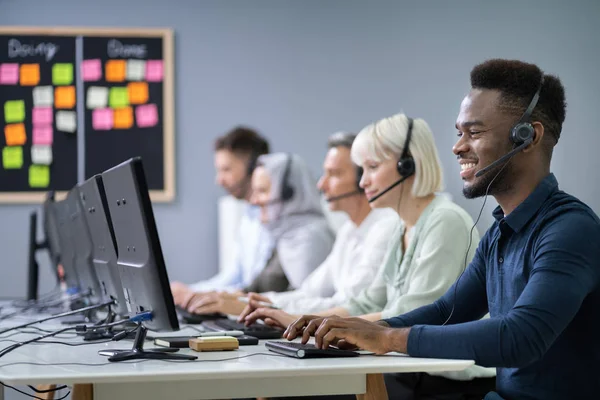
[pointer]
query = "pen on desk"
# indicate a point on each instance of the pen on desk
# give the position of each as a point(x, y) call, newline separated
point(261, 303)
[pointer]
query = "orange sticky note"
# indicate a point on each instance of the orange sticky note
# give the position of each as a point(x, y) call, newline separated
point(115, 70)
point(138, 92)
point(64, 97)
point(15, 134)
point(123, 118)
point(30, 74)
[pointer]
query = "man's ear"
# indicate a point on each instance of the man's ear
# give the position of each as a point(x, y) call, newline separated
point(538, 136)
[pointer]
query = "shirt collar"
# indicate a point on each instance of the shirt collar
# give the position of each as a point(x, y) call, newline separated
point(517, 219)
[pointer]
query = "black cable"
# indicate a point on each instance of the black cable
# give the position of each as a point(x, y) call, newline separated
point(31, 395)
point(65, 314)
point(59, 342)
point(38, 306)
point(15, 346)
point(56, 389)
point(19, 332)
point(471, 240)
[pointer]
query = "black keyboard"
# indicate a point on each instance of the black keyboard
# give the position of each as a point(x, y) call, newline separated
point(195, 319)
point(299, 350)
point(257, 330)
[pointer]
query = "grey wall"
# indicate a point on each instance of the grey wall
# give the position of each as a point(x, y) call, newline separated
point(301, 70)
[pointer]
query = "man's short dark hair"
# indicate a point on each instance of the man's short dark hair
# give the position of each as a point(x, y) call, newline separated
point(243, 140)
point(518, 81)
point(341, 139)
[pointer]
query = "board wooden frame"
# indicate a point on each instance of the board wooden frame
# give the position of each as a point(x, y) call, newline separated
point(166, 34)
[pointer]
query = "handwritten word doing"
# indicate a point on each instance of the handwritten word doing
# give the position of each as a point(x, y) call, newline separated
point(18, 49)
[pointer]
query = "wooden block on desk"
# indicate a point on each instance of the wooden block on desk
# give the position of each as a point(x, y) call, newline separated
point(214, 343)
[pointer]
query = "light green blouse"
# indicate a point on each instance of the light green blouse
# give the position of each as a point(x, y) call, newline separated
point(434, 259)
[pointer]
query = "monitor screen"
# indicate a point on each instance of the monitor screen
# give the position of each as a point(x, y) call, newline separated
point(82, 245)
point(50, 228)
point(139, 254)
point(67, 250)
point(104, 252)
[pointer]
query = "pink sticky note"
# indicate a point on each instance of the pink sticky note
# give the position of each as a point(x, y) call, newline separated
point(91, 70)
point(42, 116)
point(146, 115)
point(42, 134)
point(9, 74)
point(102, 119)
point(154, 70)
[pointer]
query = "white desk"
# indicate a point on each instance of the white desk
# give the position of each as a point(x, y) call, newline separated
point(256, 376)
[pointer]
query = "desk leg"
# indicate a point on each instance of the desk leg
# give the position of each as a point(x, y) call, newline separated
point(375, 388)
point(83, 391)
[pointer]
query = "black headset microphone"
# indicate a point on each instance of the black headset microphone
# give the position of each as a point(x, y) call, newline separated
point(399, 181)
point(358, 190)
point(343, 195)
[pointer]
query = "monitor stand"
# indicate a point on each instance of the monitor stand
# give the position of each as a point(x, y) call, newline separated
point(137, 352)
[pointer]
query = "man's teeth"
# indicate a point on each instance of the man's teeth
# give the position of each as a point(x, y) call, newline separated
point(467, 166)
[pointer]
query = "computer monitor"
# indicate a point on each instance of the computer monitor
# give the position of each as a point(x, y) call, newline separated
point(50, 243)
point(139, 255)
point(50, 228)
point(33, 267)
point(67, 250)
point(104, 252)
point(82, 245)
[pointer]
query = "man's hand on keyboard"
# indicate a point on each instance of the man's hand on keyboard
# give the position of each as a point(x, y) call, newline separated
point(349, 334)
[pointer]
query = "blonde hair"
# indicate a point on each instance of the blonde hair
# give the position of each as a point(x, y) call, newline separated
point(384, 140)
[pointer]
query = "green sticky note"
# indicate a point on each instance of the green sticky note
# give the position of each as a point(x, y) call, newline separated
point(62, 74)
point(118, 97)
point(39, 176)
point(14, 111)
point(12, 157)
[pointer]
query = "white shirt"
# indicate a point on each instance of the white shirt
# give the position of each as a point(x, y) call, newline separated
point(357, 253)
point(254, 247)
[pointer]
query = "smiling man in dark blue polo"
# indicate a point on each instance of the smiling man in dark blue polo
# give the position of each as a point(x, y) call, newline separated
point(536, 270)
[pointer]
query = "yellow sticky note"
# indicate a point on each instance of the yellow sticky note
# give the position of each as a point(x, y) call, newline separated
point(64, 97)
point(115, 70)
point(39, 176)
point(138, 92)
point(123, 118)
point(12, 157)
point(30, 74)
point(15, 134)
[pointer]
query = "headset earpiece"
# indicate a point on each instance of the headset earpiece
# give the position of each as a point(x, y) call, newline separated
point(406, 164)
point(287, 191)
point(523, 130)
point(359, 174)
